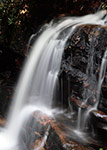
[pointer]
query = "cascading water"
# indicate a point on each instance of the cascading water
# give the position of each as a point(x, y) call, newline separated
point(101, 77)
point(37, 82)
point(100, 81)
point(79, 119)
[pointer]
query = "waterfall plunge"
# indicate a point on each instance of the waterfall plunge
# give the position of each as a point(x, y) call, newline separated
point(38, 78)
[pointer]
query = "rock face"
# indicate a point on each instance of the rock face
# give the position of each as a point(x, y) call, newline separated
point(99, 125)
point(81, 65)
point(80, 69)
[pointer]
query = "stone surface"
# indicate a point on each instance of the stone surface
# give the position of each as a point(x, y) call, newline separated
point(81, 65)
point(47, 133)
point(79, 75)
point(39, 134)
point(99, 126)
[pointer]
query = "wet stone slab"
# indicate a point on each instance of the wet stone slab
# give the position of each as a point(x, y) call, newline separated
point(45, 133)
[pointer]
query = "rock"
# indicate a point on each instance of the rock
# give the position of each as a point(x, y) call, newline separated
point(45, 133)
point(69, 140)
point(98, 124)
point(80, 65)
point(39, 134)
point(79, 73)
point(2, 121)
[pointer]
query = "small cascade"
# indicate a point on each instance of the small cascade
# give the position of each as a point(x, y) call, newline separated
point(100, 81)
point(101, 77)
point(83, 114)
point(89, 70)
point(62, 93)
point(79, 118)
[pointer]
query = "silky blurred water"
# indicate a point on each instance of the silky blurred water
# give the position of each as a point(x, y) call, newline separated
point(39, 76)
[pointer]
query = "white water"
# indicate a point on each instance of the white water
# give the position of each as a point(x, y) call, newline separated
point(44, 139)
point(100, 81)
point(38, 78)
point(79, 119)
point(101, 77)
point(8, 140)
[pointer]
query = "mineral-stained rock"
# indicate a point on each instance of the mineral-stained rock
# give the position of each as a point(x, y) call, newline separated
point(38, 134)
point(80, 70)
point(81, 65)
point(2, 121)
point(99, 125)
point(44, 133)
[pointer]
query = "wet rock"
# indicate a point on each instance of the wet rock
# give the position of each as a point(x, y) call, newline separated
point(69, 140)
point(39, 134)
point(79, 75)
point(45, 133)
point(2, 121)
point(80, 65)
point(99, 126)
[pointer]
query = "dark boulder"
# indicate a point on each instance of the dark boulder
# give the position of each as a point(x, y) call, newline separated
point(81, 63)
point(79, 75)
point(98, 123)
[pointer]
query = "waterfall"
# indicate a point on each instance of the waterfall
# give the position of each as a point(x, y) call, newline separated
point(38, 78)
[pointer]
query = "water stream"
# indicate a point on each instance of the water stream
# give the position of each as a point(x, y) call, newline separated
point(101, 77)
point(79, 119)
point(39, 76)
point(99, 84)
